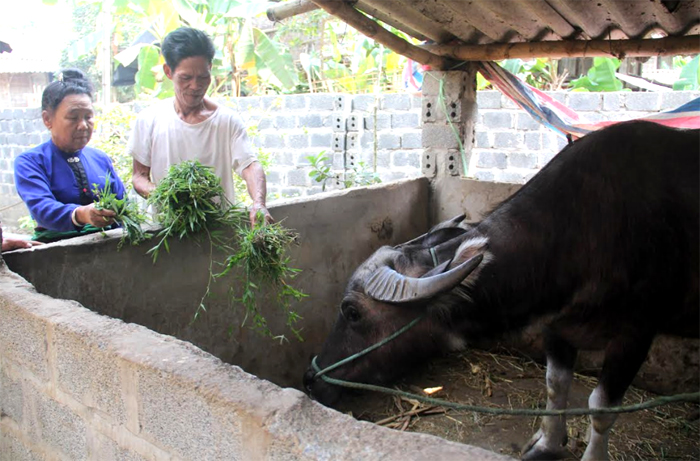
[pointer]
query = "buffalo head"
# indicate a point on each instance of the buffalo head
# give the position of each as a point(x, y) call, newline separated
point(389, 290)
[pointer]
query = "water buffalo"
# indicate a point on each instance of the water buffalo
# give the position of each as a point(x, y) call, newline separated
point(600, 248)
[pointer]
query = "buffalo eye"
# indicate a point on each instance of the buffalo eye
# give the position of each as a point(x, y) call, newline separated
point(350, 312)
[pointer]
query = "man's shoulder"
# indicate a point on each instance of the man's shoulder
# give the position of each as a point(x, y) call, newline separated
point(230, 116)
point(39, 151)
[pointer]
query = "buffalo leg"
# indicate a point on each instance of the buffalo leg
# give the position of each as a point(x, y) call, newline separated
point(550, 440)
point(623, 357)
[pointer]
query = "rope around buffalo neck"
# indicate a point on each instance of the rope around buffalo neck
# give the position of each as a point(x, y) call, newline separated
point(664, 400)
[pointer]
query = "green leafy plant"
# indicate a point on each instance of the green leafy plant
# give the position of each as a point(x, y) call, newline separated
point(112, 129)
point(320, 169)
point(358, 174)
point(128, 214)
point(600, 77)
point(27, 223)
point(689, 79)
point(261, 255)
point(190, 202)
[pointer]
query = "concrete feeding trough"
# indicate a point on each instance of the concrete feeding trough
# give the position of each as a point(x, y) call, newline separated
point(103, 360)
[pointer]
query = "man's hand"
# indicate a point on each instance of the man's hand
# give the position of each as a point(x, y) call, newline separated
point(88, 214)
point(262, 209)
point(9, 244)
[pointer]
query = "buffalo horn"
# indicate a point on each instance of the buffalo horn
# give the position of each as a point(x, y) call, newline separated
point(387, 285)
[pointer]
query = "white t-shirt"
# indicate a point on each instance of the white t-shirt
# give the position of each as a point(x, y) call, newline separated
point(161, 139)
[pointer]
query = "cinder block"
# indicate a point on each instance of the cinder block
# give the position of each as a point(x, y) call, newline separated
point(285, 122)
point(289, 192)
point(295, 102)
point(484, 175)
point(388, 141)
point(265, 123)
point(512, 177)
point(643, 101)
point(429, 162)
point(488, 99)
point(453, 110)
point(544, 158)
point(23, 337)
point(11, 397)
point(352, 141)
point(411, 140)
point(673, 99)
point(367, 139)
point(272, 141)
point(60, 428)
point(497, 119)
point(526, 122)
point(453, 164)
point(533, 141)
point(364, 102)
point(176, 415)
point(12, 449)
point(321, 140)
point(453, 83)
point(522, 160)
point(340, 103)
point(338, 142)
point(585, 101)
point(403, 158)
point(416, 102)
point(405, 120)
point(482, 140)
point(382, 122)
point(506, 139)
point(298, 177)
point(492, 160)
point(274, 177)
point(105, 449)
point(396, 101)
point(271, 102)
point(249, 103)
point(321, 101)
point(298, 141)
point(88, 373)
point(283, 158)
point(311, 121)
point(439, 136)
point(612, 102)
point(352, 123)
point(508, 103)
point(339, 123)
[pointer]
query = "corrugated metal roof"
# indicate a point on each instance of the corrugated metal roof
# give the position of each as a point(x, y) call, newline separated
point(475, 22)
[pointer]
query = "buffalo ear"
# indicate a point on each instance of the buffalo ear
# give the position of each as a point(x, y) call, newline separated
point(439, 269)
point(449, 224)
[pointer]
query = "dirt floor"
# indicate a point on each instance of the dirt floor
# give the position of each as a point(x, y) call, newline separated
point(501, 379)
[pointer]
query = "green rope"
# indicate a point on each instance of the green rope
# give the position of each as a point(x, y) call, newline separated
point(664, 400)
point(320, 372)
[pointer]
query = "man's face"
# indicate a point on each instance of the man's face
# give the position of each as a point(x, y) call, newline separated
point(191, 79)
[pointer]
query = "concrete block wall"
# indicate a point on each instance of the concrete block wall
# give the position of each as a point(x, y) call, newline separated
point(20, 129)
point(76, 385)
point(385, 131)
point(373, 133)
point(511, 147)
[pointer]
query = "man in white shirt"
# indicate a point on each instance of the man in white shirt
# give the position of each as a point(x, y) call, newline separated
point(191, 126)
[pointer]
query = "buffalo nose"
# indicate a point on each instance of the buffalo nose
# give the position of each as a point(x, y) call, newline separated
point(309, 379)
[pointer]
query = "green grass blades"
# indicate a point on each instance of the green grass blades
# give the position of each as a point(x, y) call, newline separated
point(128, 214)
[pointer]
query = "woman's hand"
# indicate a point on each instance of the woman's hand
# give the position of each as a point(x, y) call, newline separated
point(88, 214)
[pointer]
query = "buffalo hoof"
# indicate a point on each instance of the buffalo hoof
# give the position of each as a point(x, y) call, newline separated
point(538, 449)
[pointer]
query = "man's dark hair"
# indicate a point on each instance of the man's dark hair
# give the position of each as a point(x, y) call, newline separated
point(68, 81)
point(184, 43)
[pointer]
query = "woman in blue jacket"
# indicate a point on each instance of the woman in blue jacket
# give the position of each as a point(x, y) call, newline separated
point(56, 179)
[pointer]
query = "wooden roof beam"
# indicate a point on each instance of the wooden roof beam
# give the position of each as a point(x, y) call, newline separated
point(667, 46)
point(290, 8)
point(373, 30)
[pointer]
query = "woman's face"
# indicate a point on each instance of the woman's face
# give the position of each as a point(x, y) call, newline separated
point(72, 122)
